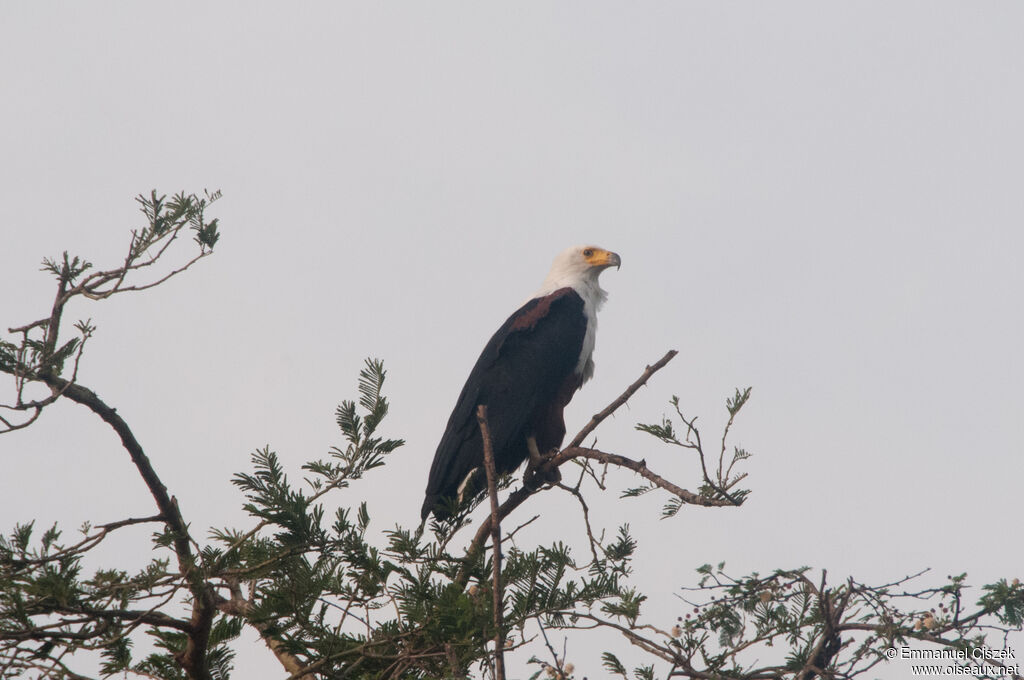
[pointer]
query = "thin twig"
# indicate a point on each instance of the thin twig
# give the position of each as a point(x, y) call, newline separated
point(554, 655)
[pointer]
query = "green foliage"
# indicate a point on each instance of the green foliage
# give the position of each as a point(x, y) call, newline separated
point(673, 506)
point(644, 672)
point(167, 216)
point(1006, 600)
point(627, 606)
point(67, 269)
point(612, 664)
point(621, 550)
point(734, 404)
point(117, 656)
point(364, 450)
point(663, 431)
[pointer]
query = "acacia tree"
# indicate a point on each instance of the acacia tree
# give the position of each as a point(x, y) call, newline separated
point(330, 599)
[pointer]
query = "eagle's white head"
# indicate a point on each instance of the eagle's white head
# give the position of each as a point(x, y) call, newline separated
point(578, 268)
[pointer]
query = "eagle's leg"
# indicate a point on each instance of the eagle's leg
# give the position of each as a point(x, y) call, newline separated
point(535, 458)
point(533, 478)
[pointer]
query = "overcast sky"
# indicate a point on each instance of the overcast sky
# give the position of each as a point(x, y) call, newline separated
point(820, 200)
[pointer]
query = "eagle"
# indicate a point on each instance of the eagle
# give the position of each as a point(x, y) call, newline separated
point(526, 374)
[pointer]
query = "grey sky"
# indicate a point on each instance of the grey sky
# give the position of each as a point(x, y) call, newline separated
point(821, 200)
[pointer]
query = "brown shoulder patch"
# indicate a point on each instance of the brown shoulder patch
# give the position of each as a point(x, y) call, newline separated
point(529, 318)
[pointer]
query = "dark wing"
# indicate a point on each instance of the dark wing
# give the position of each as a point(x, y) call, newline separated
point(522, 367)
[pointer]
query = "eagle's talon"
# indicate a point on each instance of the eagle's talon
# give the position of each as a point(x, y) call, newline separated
point(535, 476)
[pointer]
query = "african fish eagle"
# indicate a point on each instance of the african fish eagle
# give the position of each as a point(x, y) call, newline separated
point(526, 375)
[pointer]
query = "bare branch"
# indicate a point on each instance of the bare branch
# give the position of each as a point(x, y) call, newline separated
point(29, 326)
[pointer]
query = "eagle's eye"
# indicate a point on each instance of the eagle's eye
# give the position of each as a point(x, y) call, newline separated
point(588, 252)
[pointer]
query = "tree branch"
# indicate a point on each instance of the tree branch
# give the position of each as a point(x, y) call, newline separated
point(492, 492)
point(167, 505)
point(640, 467)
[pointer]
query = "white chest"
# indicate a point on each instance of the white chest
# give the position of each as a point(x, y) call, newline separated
point(585, 365)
